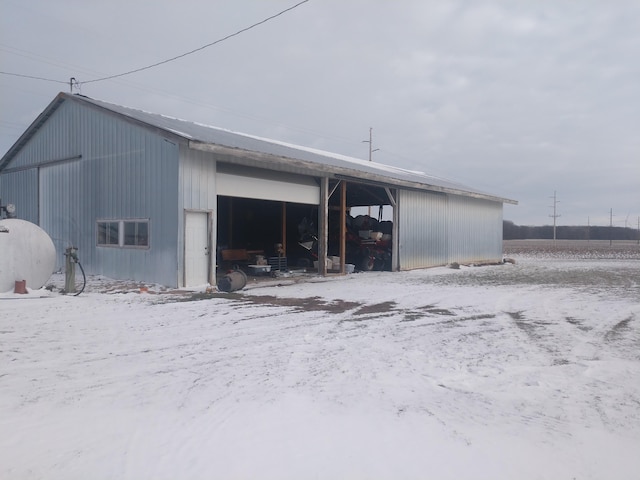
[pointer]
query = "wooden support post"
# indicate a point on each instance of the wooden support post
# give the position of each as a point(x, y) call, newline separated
point(395, 236)
point(323, 226)
point(284, 229)
point(230, 224)
point(343, 225)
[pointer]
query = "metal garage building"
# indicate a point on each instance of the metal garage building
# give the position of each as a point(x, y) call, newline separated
point(151, 198)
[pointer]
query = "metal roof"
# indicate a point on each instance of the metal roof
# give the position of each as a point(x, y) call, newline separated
point(208, 138)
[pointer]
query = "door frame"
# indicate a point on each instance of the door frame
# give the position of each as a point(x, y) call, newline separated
point(210, 244)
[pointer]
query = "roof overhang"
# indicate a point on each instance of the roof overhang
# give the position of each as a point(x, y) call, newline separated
point(242, 149)
point(295, 165)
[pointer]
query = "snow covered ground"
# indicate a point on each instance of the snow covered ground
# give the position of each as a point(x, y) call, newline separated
point(525, 371)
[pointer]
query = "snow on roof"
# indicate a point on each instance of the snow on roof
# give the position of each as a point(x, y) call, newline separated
point(207, 134)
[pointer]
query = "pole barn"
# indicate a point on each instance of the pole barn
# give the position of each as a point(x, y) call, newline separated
point(151, 198)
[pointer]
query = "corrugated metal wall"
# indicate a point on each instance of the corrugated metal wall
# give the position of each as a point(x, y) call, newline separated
point(105, 168)
point(198, 179)
point(422, 235)
point(21, 189)
point(474, 230)
point(437, 229)
point(198, 193)
point(125, 172)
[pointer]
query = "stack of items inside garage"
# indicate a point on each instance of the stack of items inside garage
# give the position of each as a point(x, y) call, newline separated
point(368, 243)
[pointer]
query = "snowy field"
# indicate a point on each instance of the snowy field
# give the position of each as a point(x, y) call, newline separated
point(519, 371)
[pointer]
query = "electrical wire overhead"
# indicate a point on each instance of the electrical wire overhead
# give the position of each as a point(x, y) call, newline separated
point(32, 77)
point(199, 48)
point(220, 40)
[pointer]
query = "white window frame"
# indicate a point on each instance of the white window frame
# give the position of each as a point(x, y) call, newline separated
point(121, 232)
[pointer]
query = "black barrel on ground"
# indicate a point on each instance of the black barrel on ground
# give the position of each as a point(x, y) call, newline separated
point(232, 281)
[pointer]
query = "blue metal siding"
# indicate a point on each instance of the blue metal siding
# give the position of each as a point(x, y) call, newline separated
point(84, 161)
point(125, 172)
point(21, 189)
point(61, 210)
point(54, 140)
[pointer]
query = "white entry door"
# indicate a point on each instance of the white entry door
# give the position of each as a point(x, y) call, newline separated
point(196, 251)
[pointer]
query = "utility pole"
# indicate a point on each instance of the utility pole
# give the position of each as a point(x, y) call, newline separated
point(370, 142)
point(588, 229)
point(611, 227)
point(371, 150)
point(638, 230)
point(555, 215)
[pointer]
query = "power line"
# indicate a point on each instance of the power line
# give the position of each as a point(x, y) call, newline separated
point(73, 82)
point(32, 77)
point(252, 116)
point(167, 60)
point(32, 56)
point(42, 59)
point(199, 48)
point(555, 214)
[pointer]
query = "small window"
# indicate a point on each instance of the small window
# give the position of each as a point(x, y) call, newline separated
point(136, 234)
point(108, 233)
point(123, 233)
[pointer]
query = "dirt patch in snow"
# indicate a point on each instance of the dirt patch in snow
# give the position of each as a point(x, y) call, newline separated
point(309, 304)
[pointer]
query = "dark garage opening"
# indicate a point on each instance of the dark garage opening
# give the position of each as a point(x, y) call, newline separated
point(264, 228)
point(368, 225)
point(249, 230)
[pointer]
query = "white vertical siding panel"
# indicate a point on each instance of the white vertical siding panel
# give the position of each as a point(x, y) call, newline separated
point(475, 230)
point(437, 229)
point(197, 171)
point(422, 229)
point(197, 177)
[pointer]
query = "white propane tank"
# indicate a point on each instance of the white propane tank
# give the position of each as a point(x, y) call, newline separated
point(26, 253)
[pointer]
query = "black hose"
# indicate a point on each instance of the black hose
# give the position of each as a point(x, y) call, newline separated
point(84, 279)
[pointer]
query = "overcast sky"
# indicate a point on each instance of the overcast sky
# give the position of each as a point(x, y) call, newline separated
point(516, 98)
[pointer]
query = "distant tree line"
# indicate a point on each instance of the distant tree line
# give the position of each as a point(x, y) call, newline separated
point(511, 231)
